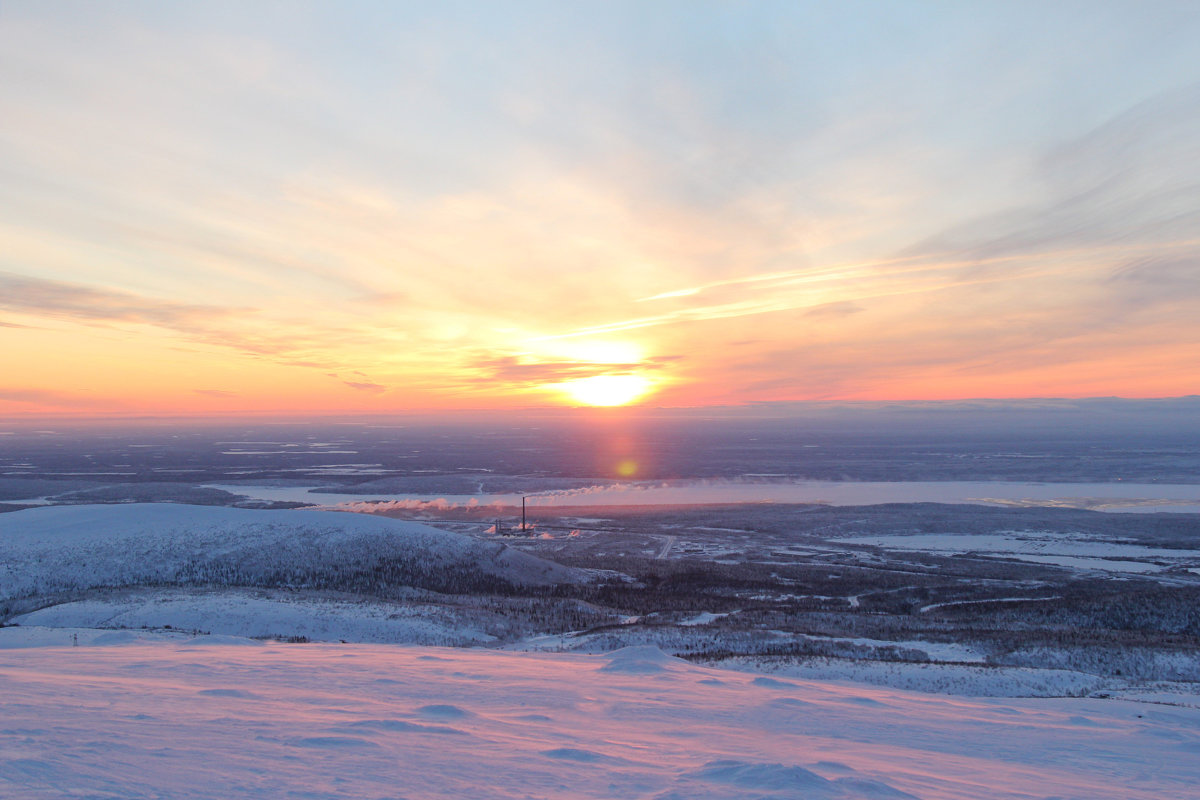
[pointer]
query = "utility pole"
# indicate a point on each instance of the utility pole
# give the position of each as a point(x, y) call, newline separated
point(522, 515)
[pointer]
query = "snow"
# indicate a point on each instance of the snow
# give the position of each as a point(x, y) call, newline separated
point(266, 614)
point(56, 548)
point(15, 637)
point(1032, 542)
point(1102, 564)
point(969, 680)
point(937, 651)
point(1115, 496)
point(641, 660)
point(175, 718)
point(704, 618)
point(1074, 550)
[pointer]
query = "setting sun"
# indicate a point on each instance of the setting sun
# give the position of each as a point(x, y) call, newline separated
point(607, 390)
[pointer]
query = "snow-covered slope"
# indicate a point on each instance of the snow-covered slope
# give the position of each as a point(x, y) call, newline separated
point(270, 614)
point(53, 549)
point(201, 720)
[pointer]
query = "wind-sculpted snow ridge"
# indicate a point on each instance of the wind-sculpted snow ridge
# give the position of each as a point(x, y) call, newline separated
point(68, 548)
point(141, 715)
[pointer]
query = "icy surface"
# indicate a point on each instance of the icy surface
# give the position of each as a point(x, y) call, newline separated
point(189, 719)
point(1123, 496)
point(1041, 547)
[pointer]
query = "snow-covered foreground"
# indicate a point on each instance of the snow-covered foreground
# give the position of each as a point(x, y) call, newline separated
point(212, 718)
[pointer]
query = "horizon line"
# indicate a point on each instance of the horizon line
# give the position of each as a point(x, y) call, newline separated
point(749, 408)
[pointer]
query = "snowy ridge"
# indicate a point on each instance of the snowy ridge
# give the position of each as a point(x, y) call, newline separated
point(63, 548)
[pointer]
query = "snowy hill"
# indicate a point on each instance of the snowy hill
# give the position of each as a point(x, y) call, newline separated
point(212, 718)
point(44, 551)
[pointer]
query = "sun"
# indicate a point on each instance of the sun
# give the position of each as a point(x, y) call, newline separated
point(607, 390)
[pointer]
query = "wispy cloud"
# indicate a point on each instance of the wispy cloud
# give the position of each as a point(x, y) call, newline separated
point(366, 386)
point(45, 298)
point(243, 329)
point(835, 310)
point(1162, 278)
point(1130, 181)
point(521, 371)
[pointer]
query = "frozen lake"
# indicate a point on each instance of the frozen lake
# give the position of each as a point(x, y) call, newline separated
point(1116, 496)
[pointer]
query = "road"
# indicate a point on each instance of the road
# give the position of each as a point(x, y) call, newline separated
point(668, 543)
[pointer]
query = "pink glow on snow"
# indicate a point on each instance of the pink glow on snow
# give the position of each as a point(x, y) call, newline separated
point(377, 721)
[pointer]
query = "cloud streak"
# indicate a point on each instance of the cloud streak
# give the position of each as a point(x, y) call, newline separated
point(45, 298)
point(244, 329)
point(523, 372)
point(366, 386)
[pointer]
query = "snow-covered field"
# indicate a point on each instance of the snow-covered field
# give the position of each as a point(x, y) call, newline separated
point(221, 718)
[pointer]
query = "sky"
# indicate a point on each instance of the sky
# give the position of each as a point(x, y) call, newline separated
point(209, 208)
